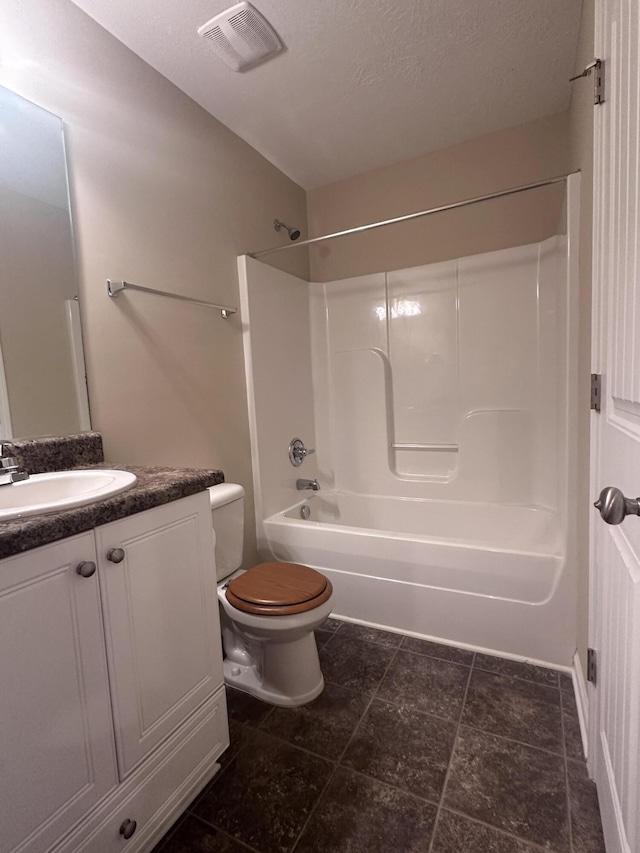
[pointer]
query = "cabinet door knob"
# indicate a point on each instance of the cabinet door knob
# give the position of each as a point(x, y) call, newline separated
point(127, 828)
point(86, 568)
point(116, 555)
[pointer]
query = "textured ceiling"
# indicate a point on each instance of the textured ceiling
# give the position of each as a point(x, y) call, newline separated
point(363, 83)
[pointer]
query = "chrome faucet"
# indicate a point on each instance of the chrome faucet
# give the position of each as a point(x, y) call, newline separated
point(307, 484)
point(10, 468)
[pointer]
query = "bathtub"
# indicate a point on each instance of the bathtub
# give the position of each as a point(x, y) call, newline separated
point(489, 576)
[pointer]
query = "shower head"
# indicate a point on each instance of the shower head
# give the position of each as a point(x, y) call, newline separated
point(294, 233)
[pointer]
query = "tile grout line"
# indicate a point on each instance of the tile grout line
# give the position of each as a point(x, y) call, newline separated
point(225, 834)
point(188, 811)
point(453, 751)
point(166, 838)
point(330, 633)
point(417, 710)
point(476, 820)
point(391, 787)
point(433, 657)
point(499, 831)
point(223, 768)
point(507, 677)
point(566, 769)
point(559, 754)
point(342, 754)
point(296, 746)
point(524, 663)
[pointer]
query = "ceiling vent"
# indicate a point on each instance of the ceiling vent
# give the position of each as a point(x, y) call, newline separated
point(241, 36)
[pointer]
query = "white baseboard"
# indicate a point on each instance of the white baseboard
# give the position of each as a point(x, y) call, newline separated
point(582, 701)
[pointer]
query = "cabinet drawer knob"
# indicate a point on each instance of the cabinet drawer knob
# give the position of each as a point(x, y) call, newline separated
point(116, 555)
point(86, 568)
point(127, 828)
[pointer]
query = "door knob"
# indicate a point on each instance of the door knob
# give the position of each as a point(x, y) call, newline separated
point(614, 507)
point(115, 555)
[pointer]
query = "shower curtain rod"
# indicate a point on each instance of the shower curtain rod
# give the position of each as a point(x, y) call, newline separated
point(408, 216)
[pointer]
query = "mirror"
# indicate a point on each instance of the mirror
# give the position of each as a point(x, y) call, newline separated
point(43, 387)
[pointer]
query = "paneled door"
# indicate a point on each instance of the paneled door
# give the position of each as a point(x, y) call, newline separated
point(158, 582)
point(56, 731)
point(615, 552)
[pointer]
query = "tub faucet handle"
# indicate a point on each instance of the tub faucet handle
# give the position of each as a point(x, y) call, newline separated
point(298, 452)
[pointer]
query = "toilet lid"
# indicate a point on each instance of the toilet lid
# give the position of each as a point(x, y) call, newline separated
point(278, 585)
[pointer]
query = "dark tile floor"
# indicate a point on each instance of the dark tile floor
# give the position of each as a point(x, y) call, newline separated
point(413, 747)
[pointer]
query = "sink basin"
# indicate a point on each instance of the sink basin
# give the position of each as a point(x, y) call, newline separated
point(61, 490)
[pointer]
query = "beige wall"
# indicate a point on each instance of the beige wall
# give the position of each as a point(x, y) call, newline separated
point(581, 148)
point(521, 155)
point(165, 196)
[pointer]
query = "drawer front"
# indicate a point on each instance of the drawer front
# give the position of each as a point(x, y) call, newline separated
point(155, 796)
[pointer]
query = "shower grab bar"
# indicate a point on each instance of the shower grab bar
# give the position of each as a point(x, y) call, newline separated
point(409, 216)
point(115, 287)
point(450, 448)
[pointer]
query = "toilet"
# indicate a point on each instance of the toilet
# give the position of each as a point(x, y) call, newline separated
point(268, 613)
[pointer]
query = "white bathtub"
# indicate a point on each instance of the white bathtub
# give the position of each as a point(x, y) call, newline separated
point(486, 575)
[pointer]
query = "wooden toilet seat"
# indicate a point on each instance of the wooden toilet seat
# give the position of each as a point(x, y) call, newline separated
point(278, 589)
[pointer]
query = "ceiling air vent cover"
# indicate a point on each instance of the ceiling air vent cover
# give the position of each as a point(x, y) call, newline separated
point(241, 37)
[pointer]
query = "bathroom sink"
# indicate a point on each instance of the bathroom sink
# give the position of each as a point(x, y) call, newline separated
point(61, 490)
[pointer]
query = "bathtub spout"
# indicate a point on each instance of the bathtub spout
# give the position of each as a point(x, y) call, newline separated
point(307, 484)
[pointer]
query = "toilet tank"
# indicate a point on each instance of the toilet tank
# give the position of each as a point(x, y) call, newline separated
point(227, 520)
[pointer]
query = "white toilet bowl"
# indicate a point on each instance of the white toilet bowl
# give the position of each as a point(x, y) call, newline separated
point(275, 658)
point(267, 626)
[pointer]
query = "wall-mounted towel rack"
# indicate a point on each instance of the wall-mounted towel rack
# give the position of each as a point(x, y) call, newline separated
point(115, 287)
point(449, 448)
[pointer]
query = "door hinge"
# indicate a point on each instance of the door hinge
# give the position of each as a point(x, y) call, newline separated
point(598, 82)
point(592, 665)
point(597, 66)
point(596, 391)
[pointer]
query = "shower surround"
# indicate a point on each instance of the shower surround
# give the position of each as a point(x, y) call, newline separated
point(440, 402)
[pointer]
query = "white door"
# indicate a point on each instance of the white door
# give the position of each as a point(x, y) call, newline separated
point(615, 552)
point(161, 621)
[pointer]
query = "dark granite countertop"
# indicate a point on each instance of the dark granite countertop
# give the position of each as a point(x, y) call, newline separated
point(155, 486)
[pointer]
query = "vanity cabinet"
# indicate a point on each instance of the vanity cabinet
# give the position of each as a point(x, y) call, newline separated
point(112, 706)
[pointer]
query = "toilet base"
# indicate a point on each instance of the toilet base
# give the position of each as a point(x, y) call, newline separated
point(288, 675)
point(246, 679)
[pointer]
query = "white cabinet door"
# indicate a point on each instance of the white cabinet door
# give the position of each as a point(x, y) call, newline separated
point(56, 733)
point(161, 621)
